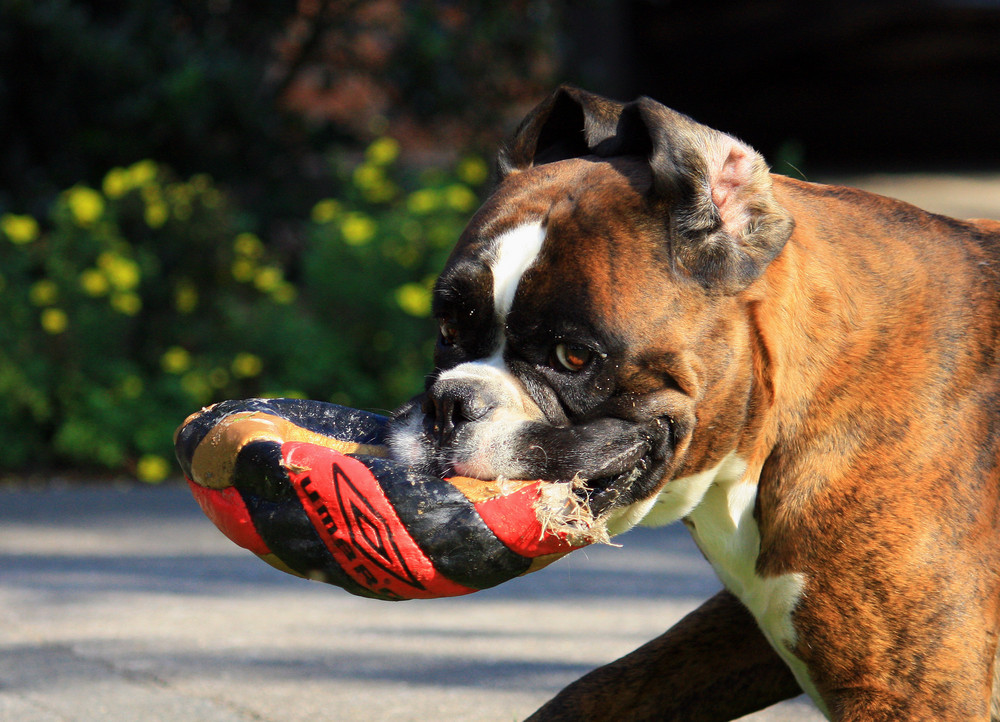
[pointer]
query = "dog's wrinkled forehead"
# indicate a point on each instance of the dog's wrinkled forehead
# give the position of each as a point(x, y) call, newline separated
point(553, 216)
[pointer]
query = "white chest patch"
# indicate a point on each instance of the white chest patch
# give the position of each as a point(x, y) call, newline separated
point(513, 253)
point(718, 505)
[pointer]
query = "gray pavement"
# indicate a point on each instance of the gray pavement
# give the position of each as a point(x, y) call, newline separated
point(125, 603)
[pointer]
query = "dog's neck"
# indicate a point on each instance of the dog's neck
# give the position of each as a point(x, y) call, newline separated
point(814, 319)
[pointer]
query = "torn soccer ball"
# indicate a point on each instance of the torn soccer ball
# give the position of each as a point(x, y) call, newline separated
point(308, 487)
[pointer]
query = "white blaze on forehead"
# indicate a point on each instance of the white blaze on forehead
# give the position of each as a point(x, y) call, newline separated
point(514, 252)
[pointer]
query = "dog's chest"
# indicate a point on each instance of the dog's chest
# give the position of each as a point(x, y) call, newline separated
point(723, 526)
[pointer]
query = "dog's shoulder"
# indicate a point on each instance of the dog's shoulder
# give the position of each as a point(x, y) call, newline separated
point(885, 221)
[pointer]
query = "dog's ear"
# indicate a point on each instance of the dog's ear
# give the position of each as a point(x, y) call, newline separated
point(724, 225)
point(570, 123)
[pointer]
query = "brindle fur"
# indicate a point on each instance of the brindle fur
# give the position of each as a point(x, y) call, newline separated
point(846, 345)
point(871, 404)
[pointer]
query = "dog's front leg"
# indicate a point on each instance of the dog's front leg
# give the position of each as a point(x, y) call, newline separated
point(712, 665)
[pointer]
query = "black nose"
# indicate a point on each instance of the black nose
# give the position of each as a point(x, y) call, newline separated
point(452, 403)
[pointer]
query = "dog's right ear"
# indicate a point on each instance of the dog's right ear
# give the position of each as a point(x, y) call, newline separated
point(568, 124)
point(715, 193)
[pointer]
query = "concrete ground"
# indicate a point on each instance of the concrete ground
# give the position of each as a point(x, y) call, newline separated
point(125, 603)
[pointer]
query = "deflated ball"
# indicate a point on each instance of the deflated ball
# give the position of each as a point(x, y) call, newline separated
point(309, 488)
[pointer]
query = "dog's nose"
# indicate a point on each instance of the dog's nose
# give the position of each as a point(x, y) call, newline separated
point(453, 403)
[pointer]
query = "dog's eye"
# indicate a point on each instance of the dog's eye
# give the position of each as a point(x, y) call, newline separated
point(572, 357)
point(449, 331)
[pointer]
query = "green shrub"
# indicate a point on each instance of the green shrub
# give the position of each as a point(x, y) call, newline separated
point(369, 267)
point(132, 305)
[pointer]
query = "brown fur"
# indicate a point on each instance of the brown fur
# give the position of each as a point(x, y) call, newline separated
point(866, 361)
point(883, 452)
point(845, 345)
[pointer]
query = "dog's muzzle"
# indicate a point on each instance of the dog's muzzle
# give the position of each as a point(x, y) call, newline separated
point(477, 420)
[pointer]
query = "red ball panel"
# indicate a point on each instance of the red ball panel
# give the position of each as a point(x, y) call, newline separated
point(360, 527)
point(227, 511)
point(512, 517)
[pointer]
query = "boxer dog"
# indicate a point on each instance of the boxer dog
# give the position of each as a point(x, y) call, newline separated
point(807, 376)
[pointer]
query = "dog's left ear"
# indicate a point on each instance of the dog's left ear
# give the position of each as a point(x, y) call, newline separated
point(724, 225)
point(571, 123)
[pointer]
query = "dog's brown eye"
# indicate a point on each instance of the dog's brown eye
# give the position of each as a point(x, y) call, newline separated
point(449, 332)
point(572, 357)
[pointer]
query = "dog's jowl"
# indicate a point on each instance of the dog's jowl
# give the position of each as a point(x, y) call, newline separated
point(807, 376)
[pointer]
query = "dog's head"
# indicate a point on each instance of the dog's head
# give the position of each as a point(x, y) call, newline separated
point(591, 315)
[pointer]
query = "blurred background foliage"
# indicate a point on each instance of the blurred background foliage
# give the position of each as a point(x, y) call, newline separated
point(204, 199)
point(208, 200)
point(131, 304)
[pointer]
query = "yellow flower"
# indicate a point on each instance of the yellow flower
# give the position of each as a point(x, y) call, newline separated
point(383, 151)
point(414, 299)
point(142, 173)
point(368, 176)
point(85, 205)
point(54, 320)
point(423, 201)
point(357, 229)
point(243, 270)
point(381, 193)
point(373, 183)
point(119, 181)
point(116, 183)
point(156, 214)
point(267, 278)
point(247, 365)
point(19, 229)
point(460, 198)
point(44, 292)
point(128, 304)
point(472, 170)
point(249, 245)
point(152, 468)
point(122, 273)
point(175, 360)
point(185, 297)
point(326, 211)
point(94, 283)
